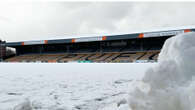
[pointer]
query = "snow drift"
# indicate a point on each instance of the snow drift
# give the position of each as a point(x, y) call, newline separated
point(170, 85)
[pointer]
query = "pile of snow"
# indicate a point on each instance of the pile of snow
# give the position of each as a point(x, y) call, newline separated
point(170, 85)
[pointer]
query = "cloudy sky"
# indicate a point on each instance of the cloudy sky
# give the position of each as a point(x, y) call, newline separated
point(52, 20)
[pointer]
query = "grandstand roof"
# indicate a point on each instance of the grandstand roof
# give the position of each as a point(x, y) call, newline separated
point(102, 38)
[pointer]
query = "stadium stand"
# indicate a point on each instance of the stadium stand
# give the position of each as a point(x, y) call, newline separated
point(106, 57)
point(112, 49)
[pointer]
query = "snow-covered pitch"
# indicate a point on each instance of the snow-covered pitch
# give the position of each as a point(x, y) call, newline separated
point(68, 86)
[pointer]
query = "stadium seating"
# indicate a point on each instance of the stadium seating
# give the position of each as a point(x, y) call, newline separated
point(155, 56)
point(94, 57)
point(98, 55)
point(112, 57)
point(146, 56)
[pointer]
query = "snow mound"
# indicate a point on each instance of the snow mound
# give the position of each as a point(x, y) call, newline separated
point(25, 105)
point(170, 85)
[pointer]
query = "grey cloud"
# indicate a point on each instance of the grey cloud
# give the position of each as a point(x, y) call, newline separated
point(50, 20)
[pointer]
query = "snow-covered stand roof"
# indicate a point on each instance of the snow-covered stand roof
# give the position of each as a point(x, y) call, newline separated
point(102, 38)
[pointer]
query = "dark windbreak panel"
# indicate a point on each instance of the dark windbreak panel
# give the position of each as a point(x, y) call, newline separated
point(193, 30)
point(13, 44)
point(59, 41)
point(120, 37)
